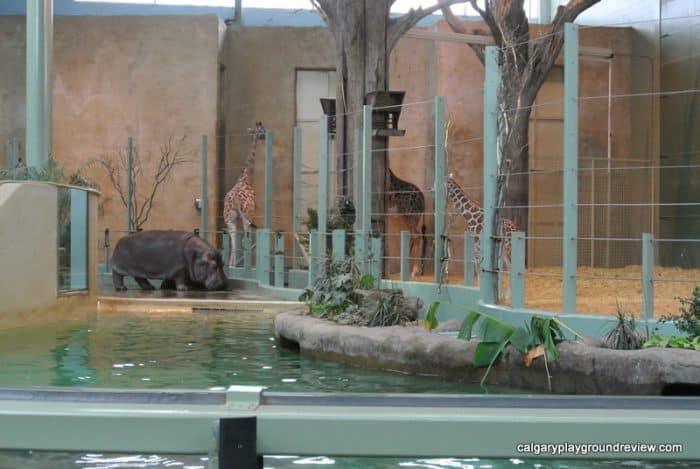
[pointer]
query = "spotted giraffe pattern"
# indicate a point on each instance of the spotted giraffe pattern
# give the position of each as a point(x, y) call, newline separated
point(239, 202)
point(410, 203)
point(473, 214)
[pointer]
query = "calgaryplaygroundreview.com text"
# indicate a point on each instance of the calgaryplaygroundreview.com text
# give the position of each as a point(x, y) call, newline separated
point(582, 449)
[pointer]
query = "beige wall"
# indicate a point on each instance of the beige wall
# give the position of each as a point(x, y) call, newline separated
point(28, 249)
point(151, 78)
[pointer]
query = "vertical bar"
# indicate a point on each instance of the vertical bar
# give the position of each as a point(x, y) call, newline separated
point(238, 8)
point(225, 247)
point(545, 16)
point(262, 256)
point(204, 214)
point(647, 276)
point(338, 242)
point(570, 215)
point(376, 256)
point(279, 260)
point(405, 255)
point(129, 183)
point(39, 24)
point(296, 194)
point(78, 239)
point(439, 185)
point(468, 259)
point(365, 213)
point(488, 277)
point(322, 186)
point(517, 269)
point(238, 443)
point(357, 173)
point(106, 250)
point(239, 246)
point(269, 171)
point(247, 254)
point(313, 256)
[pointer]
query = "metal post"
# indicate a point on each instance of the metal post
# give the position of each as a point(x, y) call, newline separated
point(225, 247)
point(357, 174)
point(279, 260)
point(204, 197)
point(570, 206)
point(517, 269)
point(322, 186)
point(247, 254)
point(365, 212)
point(262, 256)
point(39, 24)
point(78, 239)
point(269, 171)
point(468, 259)
point(375, 268)
point(488, 277)
point(129, 183)
point(313, 256)
point(338, 242)
point(296, 194)
point(647, 276)
point(405, 255)
point(239, 246)
point(106, 250)
point(439, 185)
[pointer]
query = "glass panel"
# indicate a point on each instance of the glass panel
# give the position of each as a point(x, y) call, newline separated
point(72, 239)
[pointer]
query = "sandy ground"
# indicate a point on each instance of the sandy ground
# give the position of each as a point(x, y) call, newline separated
point(601, 291)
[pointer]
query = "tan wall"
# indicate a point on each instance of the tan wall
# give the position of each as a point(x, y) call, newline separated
point(28, 249)
point(151, 78)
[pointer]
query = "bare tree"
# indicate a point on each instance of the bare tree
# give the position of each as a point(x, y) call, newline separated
point(145, 184)
point(525, 64)
point(365, 34)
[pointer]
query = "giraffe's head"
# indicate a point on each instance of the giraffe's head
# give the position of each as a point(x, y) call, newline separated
point(257, 132)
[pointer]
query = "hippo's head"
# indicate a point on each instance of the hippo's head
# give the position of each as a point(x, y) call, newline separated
point(209, 270)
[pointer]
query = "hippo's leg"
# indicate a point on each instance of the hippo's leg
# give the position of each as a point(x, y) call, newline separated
point(167, 284)
point(144, 283)
point(118, 281)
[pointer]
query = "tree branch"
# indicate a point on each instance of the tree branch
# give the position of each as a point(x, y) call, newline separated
point(457, 26)
point(398, 26)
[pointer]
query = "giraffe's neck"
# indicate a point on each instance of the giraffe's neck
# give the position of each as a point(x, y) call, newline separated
point(470, 210)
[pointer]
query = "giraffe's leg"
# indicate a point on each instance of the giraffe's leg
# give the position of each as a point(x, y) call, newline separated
point(231, 226)
point(476, 257)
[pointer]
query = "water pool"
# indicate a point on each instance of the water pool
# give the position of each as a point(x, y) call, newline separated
point(203, 350)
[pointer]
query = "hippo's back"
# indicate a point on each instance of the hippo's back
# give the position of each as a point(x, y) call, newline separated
point(151, 254)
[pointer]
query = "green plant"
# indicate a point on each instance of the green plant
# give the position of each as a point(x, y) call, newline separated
point(673, 342)
point(689, 319)
point(624, 335)
point(431, 322)
point(538, 338)
point(335, 291)
point(50, 171)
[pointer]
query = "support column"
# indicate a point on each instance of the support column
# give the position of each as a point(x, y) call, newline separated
point(338, 241)
point(362, 238)
point(517, 269)
point(39, 84)
point(204, 190)
point(647, 276)
point(279, 259)
point(439, 186)
point(488, 276)
point(296, 195)
point(268, 180)
point(129, 184)
point(322, 187)
point(570, 205)
point(405, 255)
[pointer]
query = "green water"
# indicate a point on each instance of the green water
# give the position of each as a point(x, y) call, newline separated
point(200, 351)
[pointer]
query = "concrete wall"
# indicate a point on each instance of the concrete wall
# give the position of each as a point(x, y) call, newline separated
point(28, 249)
point(152, 78)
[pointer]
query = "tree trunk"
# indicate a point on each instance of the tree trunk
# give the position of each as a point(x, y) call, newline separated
point(363, 52)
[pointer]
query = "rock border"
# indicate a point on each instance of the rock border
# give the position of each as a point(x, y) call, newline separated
point(580, 368)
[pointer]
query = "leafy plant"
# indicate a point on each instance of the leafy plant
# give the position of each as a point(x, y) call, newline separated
point(50, 171)
point(673, 342)
point(431, 322)
point(689, 319)
point(538, 338)
point(334, 292)
point(624, 335)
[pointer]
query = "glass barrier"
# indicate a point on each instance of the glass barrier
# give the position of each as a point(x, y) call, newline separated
point(72, 239)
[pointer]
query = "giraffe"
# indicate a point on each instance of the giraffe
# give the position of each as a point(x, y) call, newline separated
point(473, 213)
point(240, 200)
point(409, 201)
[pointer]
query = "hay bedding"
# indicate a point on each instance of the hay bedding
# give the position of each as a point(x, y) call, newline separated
point(600, 296)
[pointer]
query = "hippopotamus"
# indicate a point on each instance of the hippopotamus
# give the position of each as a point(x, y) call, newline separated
point(178, 257)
